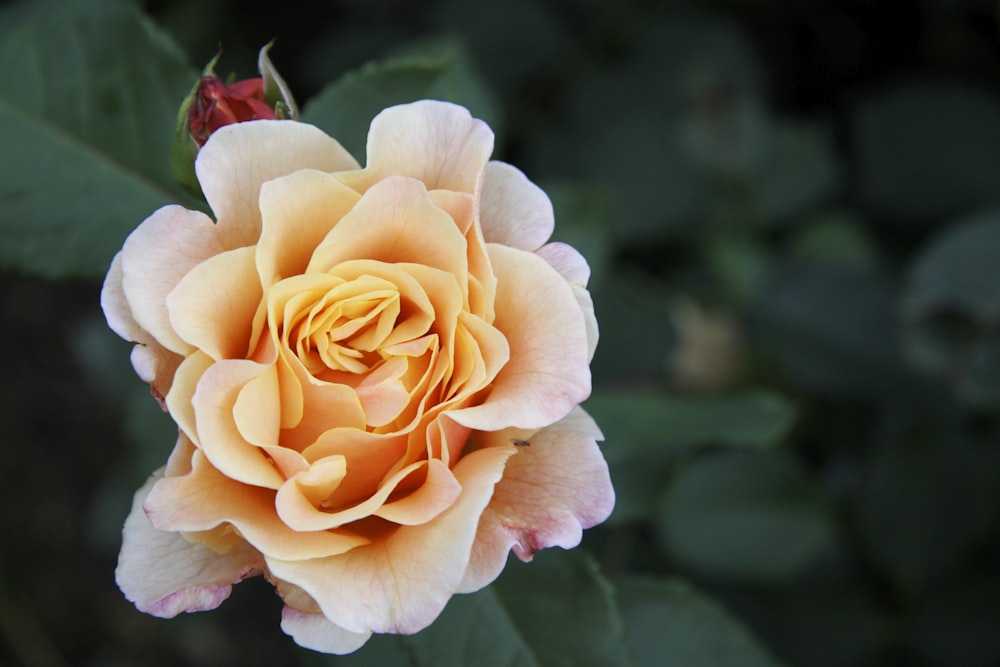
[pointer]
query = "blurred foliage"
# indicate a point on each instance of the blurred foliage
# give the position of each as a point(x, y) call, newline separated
point(791, 215)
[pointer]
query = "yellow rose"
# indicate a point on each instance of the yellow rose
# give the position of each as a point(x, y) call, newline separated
point(376, 375)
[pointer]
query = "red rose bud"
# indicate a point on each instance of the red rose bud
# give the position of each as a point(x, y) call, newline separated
point(213, 103)
point(216, 104)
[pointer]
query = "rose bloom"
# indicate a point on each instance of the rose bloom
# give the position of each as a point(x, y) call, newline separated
point(376, 376)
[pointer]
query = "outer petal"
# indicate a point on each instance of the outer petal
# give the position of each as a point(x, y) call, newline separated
point(437, 143)
point(548, 373)
point(155, 257)
point(213, 306)
point(402, 580)
point(164, 574)
point(554, 488)
point(115, 306)
point(513, 210)
point(565, 259)
point(314, 631)
point(239, 158)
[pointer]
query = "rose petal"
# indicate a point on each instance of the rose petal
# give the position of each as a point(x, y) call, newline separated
point(155, 257)
point(565, 259)
point(437, 143)
point(513, 210)
point(178, 399)
point(239, 158)
point(403, 579)
point(395, 222)
point(218, 436)
point(298, 210)
point(115, 306)
point(213, 306)
point(314, 631)
point(164, 574)
point(205, 499)
point(548, 373)
point(556, 486)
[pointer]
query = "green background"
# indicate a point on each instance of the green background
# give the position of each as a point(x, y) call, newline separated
point(792, 213)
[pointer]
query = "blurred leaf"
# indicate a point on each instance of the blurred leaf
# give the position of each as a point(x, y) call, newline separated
point(556, 610)
point(88, 95)
point(581, 221)
point(927, 150)
point(435, 69)
point(800, 169)
point(951, 305)
point(741, 264)
point(635, 328)
point(836, 240)
point(744, 515)
point(645, 432)
point(960, 271)
point(668, 622)
point(833, 331)
point(497, 30)
point(925, 503)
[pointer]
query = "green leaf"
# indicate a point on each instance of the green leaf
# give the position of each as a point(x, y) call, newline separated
point(927, 150)
point(800, 169)
point(88, 93)
point(646, 432)
point(959, 271)
point(581, 221)
point(438, 69)
point(834, 331)
point(752, 516)
point(557, 610)
point(837, 240)
point(669, 622)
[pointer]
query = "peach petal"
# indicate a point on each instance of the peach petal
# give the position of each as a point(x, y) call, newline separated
point(298, 210)
point(164, 574)
point(115, 306)
point(369, 457)
point(321, 479)
point(156, 365)
point(238, 159)
point(547, 375)
point(401, 581)
point(513, 210)
point(257, 410)
point(554, 488)
point(590, 319)
point(395, 221)
point(565, 259)
point(314, 631)
point(298, 511)
point(205, 499)
point(179, 397)
point(218, 436)
point(155, 257)
point(460, 206)
point(434, 496)
point(437, 143)
point(213, 306)
point(382, 393)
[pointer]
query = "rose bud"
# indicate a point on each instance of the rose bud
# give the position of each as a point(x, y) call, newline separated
point(213, 103)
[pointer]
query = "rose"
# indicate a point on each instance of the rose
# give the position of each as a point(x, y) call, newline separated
point(376, 375)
